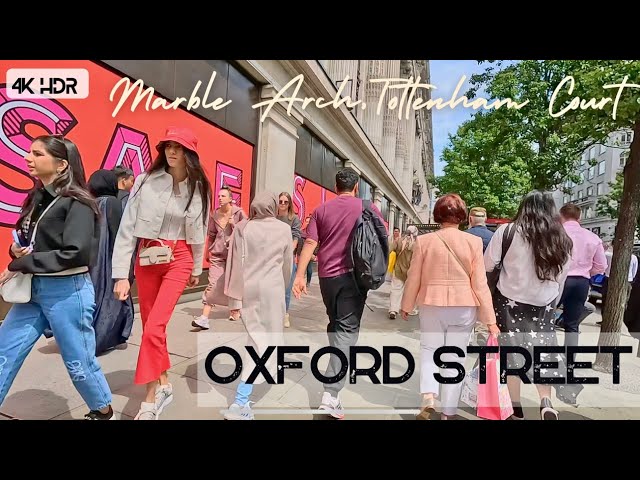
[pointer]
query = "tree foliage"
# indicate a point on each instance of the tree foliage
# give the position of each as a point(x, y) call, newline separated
point(609, 205)
point(572, 104)
point(494, 180)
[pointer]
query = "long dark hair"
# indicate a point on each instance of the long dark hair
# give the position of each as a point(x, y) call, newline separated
point(70, 183)
point(195, 174)
point(541, 227)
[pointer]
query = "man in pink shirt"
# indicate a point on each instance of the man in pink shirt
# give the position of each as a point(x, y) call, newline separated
point(587, 259)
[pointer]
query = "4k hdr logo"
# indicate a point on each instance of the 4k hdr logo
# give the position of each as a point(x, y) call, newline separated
point(27, 83)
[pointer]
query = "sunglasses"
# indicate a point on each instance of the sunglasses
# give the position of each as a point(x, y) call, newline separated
point(284, 202)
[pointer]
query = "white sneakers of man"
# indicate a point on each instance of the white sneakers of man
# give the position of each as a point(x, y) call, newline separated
point(201, 322)
point(332, 406)
point(236, 412)
point(151, 411)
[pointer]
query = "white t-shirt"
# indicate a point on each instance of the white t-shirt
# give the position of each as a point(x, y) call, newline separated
point(518, 279)
point(633, 266)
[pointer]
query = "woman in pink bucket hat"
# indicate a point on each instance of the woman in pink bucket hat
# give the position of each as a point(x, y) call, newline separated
point(168, 211)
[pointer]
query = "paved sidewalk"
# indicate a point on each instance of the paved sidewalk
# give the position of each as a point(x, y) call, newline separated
point(43, 389)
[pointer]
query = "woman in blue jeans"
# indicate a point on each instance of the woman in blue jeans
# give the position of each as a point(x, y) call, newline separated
point(286, 214)
point(57, 234)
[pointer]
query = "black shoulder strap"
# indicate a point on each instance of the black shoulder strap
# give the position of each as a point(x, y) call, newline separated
point(507, 238)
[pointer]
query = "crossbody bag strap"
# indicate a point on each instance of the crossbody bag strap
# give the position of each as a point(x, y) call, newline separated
point(461, 264)
point(506, 242)
point(35, 227)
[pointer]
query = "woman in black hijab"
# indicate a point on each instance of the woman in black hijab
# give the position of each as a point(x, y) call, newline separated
point(113, 318)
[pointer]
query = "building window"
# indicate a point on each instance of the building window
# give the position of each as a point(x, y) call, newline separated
point(602, 149)
point(592, 172)
point(580, 195)
point(592, 153)
point(600, 189)
point(589, 191)
point(589, 212)
point(583, 159)
point(384, 208)
point(581, 178)
point(573, 197)
point(365, 190)
point(396, 220)
point(626, 137)
point(623, 158)
point(315, 161)
point(601, 167)
point(566, 200)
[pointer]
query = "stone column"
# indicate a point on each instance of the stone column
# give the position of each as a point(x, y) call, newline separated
point(372, 122)
point(350, 164)
point(377, 198)
point(401, 155)
point(390, 121)
point(392, 216)
point(338, 70)
point(277, 147)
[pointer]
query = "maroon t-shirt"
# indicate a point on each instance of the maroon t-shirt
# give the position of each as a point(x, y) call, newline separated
point(331, 226)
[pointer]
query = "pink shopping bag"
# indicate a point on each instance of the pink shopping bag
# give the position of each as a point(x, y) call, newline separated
point(494, 402)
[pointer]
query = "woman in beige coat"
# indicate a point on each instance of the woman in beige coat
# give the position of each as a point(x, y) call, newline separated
point(258, 271)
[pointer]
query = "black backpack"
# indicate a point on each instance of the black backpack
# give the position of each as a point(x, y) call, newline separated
point(369, 250)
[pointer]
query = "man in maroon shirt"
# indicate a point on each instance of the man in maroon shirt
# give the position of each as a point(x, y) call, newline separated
point(331, 227)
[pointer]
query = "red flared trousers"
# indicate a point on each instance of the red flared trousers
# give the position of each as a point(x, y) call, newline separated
point(159, 289)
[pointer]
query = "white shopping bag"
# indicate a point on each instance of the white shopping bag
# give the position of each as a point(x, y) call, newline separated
point(469, 394)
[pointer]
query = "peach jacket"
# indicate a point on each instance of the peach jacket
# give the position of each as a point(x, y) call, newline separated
point(436, 278)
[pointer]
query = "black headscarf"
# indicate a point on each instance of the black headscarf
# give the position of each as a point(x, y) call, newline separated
point(103, 183)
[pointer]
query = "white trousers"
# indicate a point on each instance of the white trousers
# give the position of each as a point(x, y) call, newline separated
point(395, 298)
point(444, 326)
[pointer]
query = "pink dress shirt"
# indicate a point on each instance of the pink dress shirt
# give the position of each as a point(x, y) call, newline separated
point(587, 257)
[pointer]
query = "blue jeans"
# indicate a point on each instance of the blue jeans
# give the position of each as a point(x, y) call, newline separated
point(242, 393)
point(309, 272)
point(287, 293)
point(64, 304)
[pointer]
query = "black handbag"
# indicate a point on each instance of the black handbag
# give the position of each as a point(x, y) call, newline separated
point(494, 275)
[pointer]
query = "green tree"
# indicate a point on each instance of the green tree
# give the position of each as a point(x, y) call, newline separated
point(500, 155)
point(558, 139)
point(484, 168)
point(595, 79)
point(609, 205)
point(557, 146)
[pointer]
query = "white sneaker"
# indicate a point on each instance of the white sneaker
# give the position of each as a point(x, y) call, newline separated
point(236, 412)
point(147, 412)
point(332, 405)
point(164, 396)
point(201, 322)
point(287, 323)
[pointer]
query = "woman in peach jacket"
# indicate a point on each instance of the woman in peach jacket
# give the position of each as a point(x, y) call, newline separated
point(448, 283)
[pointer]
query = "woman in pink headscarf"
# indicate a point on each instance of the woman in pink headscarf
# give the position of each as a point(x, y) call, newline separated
point(258, 271)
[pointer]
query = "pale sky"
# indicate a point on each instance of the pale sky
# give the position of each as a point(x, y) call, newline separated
point(445, 75)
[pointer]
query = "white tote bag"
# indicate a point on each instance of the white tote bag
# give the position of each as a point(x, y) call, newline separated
point(469, 393)
point(18, 288)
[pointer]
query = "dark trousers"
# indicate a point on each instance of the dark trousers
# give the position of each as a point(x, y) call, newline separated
point(574, 296)
point(345, 305)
